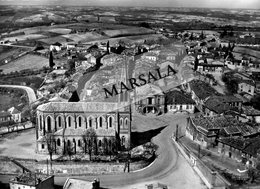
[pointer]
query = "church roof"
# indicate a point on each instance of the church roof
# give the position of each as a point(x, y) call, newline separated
point(78, 107)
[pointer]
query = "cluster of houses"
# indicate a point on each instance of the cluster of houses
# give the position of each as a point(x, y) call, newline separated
point(225, 123)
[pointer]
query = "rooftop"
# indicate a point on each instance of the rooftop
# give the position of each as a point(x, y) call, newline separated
point(29, 179)
point(202, 89)
point(178, 97)
point(78, 107)
point(250, 146)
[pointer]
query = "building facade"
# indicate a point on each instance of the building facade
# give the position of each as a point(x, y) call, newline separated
point(68, 121)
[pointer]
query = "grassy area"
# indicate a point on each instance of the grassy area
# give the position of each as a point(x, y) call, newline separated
point(5, 101)
point(28, 61)
point(10, 98)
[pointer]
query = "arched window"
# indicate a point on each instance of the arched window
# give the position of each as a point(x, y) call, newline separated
point(123, 140)
point(68, 142)
point(100, 121)
point(79, 121)
point(40, 122)
point(59, 121)
point(79, 143)
point(48, 123)
point(110, 121)
point(69, 121)
point(58, 142)
point(126, 123)
point(99, 143)
point(121, 123)
point(90, 121)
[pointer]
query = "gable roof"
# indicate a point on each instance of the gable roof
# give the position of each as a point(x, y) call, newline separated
point(78, 107)
point(202, 89)
point(178, 97)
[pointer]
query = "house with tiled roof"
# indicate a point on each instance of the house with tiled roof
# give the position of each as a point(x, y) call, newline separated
point(5, 117)
point(238, 147)
point(251, 113)
point(247, 86)
point(16, 114)
point(81, 184)
point(205, 130)
point(149, 98)
point(200, 91)
point(215, 105)
point(178, 101)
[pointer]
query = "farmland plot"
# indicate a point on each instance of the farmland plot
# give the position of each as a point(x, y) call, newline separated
point(28, 61)
point(128, 31)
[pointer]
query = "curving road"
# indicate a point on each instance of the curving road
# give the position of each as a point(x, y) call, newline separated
point(167, 162)
point(30, 92)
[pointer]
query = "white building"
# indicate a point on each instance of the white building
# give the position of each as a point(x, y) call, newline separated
point(30, 181)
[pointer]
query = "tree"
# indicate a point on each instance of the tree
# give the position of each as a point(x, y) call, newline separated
point(230, 83)
point(255, 101)
point(74, 97)
point(50, 142)
point(90, 138)
point(51, 63)
point(105, 146)
point(196, 63)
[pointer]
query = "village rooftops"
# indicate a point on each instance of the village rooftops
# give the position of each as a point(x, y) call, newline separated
point(250, 111)
point(229, 124)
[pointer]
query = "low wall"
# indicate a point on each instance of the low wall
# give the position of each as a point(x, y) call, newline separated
point(68, 168)
point(212, 179)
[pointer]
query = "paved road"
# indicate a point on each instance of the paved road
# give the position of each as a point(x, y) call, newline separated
point(30, 92)
point(166, 163)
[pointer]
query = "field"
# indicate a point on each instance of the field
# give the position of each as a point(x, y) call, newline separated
point(248, 52)
point(127, 31)
point(86, 37)
point(7, 53)
point(25, 37)
point(26, 62)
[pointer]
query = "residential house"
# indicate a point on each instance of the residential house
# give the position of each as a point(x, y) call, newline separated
point(251, 113)
point(112, 59)
point(200, 91)
point(214, 67)
point(5, 117)
point(16, 114)
point(177, 101)
point(55, 46)
point(168, 55)
point(246, 86)
point(32, 181)
point(149, 98)
point(81, 184)
point(150, 55)
point(239, 148)
point(207, 130)
point(215, 105)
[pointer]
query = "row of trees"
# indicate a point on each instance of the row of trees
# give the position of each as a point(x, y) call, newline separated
point(89, 144)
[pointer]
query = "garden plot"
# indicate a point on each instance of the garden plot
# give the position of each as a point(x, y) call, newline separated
point(86, 37)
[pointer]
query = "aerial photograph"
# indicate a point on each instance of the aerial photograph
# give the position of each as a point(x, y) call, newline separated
point(129, 94)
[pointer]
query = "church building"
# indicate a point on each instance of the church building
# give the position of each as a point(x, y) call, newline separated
point(68, 121)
